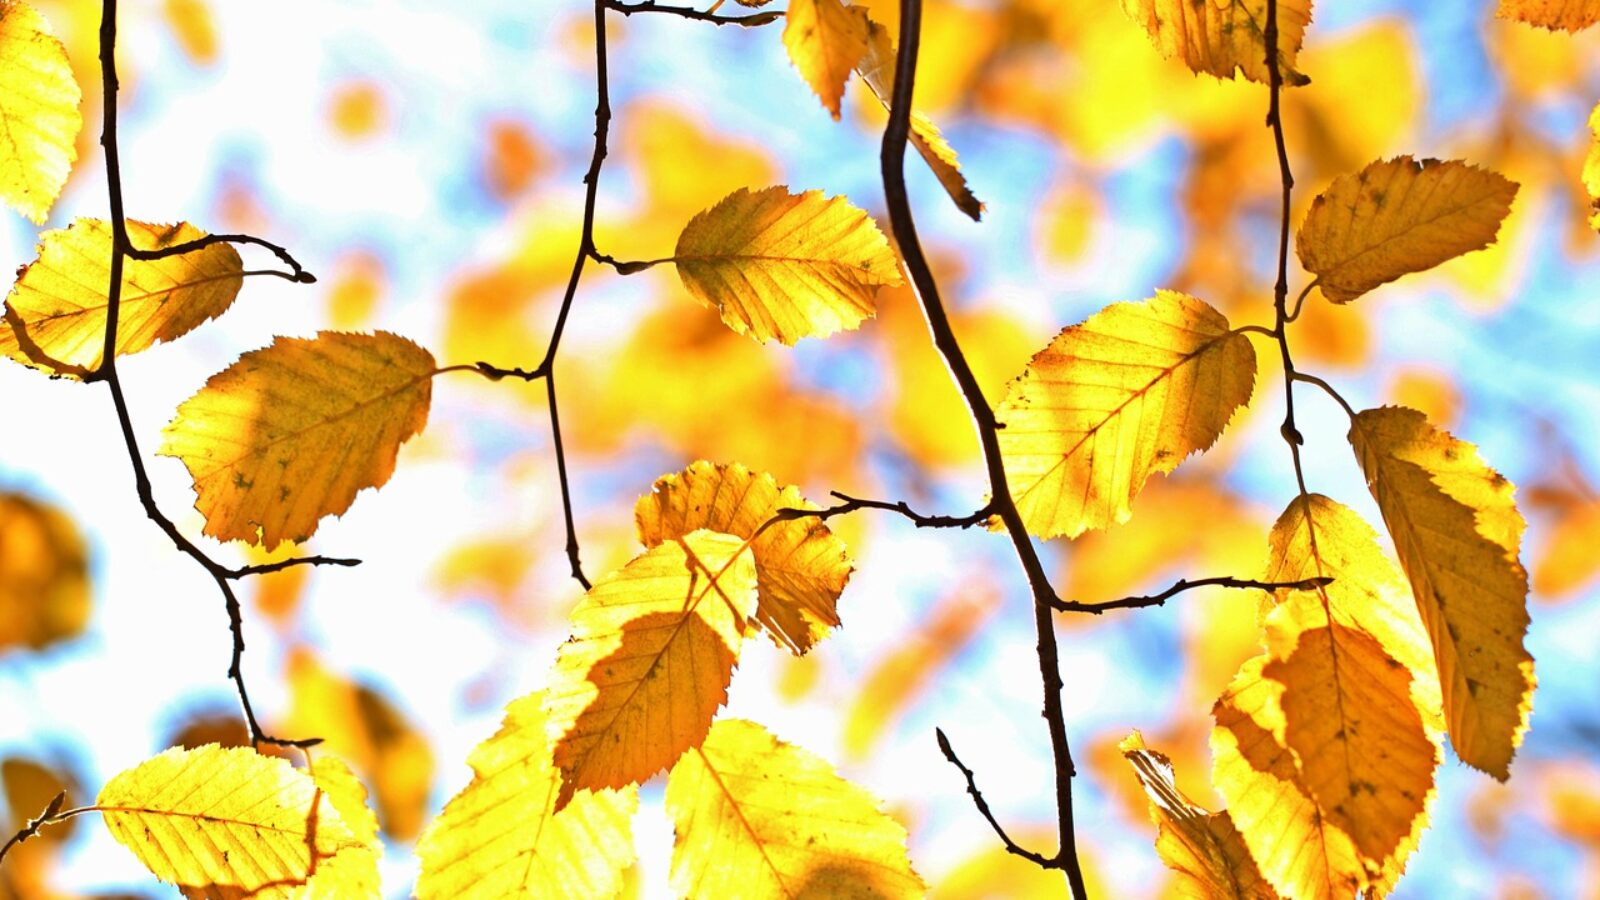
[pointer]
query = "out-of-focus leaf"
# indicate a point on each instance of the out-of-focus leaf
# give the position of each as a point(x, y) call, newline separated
point(1457, 531)
point(801, 568)
point(756, 817)
point(785, 266)
point(1396, 217)
point(56, 314)
point(192, 26)
point(1591, 168)
point(652, 650)
point(1567, 561)
point(1126, 394)
point(501, 836)
point(825, 40)
point(1556, 15)
point(44, 575)
point(290, 433)
point(1219, 37)
point(38, 112)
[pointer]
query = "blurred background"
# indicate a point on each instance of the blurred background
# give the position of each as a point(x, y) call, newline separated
point(424, 160)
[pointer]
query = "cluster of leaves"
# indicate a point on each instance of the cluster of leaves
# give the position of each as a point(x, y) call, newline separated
point(1326, 745)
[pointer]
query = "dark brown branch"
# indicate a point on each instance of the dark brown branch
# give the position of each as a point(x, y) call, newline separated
point(34, 824)
point(983, 807)
point(280, 565)
point(853, 504)
point(1309, 584)
point(299, 275)
point(926, 289)
point(752, 20)
point(1280, 289)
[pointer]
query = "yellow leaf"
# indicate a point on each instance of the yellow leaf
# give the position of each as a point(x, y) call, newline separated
point(1128, 393)
point(652, 650)
point(1347, 693)
point(38, 112)
point(353, 872)
point(501, 836)
point(1203, 848)
point(756, 817)
point(56, 313)
point(289, 433)
point(232, 823)
point(1591, 169)
point(801, 568)
point(877, 70)
point(1396, 217)
point(1562, 15)
point(825, 40)
point(1457, 532)
point(44, 575)
point(1219, 37)
point(785, 266)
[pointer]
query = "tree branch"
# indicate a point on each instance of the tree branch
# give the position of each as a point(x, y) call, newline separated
point(34, 824)
point(300, 274)
point(926, 290)
point(1308, 584)
point(280, 565)
point(983, 807)
point(852, 504)
point(753, 20)
point(1280, 289)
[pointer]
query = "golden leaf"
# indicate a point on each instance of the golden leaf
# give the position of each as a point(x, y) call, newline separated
point(38, 112)
point(801, 568)
point(652, 650)
point(1556, 15)
point(825, 40)
point(44, 575)
point(56, 313)
point(1457, 531)
point(232, 823)
point(785, 266)
point(1396, 217)
point(877, 70)
point(1328, 733)
point(1219, 37)
point(290, 433)
point(354, 872)
point(1128, 393)
point(756, 817)
point(501, 836)
point(1203, 848)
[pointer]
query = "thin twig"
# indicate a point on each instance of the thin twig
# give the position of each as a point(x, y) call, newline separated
point(280, 565)
point(34, 824)
point(1329, 390)
point(852, 504)
point(1183, 584)
point(752, 20)
point(1280, 290)
point(983, 806)
point(300, 274)
point(926, 289)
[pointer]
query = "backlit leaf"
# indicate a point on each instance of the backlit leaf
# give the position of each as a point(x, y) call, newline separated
point(652, 650)
point(1457, 533)
point(56, 313)
point(785, 266)
point(1556, 15)
point(756, 817)
point(1203, 848)
point(1220, 37)
point(38, 112)
point(825, 40)
point(501, 836)
point(1126, 394)
point(290, 433)
point(801, 568)
point(44, 575)
point(877, 70)
point(232, 823)
point(354, 872)
point(1396, 217)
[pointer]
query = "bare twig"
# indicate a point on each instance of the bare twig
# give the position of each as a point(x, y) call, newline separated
point(752, 20)
point(852, 504)
point(34, 824)
point(1183, 584)
point(983, 806)
point(299, 273)
point(280, 565)
point(926, 289)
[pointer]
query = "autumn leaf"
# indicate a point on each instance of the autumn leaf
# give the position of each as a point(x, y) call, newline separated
point(801, 568)
point(756, 817)
point(290, 433)
point(652, 650)
point(44, 575)
point(1203, 848)
point(56, 313)
point(785, 266)
point(1220, 37)
point(1326, 739)
point(1396, 217)
point(825, 40)
point(1556, 15)
point(1591, 169)
point(353, 872)
point(38, 112)
point(232, 823)
point(1129, 392)
point(1457, 532)
point(501, 836)
point(877, 70)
